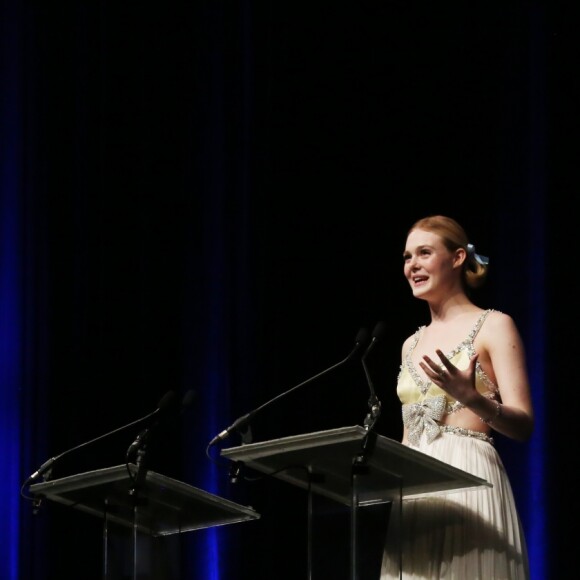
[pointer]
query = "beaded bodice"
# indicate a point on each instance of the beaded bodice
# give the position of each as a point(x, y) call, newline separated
point(411, 388)
point(424, 403)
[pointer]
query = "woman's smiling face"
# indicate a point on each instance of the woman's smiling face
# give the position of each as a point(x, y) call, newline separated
point(428, 264)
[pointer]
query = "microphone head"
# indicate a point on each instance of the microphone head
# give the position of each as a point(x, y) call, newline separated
point(187, 400)
point(379, 330)
point(166, 401)
point(361, 339)
point(362, 336)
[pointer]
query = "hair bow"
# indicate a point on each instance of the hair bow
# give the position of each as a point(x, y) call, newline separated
point(483, 260)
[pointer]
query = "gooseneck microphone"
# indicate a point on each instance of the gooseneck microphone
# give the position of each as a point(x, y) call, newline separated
point(141, 440)
point(45, 469)
point(243, 422)
point(374, 403)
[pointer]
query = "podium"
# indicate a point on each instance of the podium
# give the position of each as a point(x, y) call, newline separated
point(157, 507)
point(357, 469)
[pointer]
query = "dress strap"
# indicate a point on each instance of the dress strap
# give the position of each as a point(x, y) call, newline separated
point(415, 341)
point(477, 327)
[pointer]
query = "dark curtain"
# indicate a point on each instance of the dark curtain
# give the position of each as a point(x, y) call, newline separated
point(216, 198)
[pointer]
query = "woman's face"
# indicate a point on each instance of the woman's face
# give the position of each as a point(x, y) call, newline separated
point(429, 265)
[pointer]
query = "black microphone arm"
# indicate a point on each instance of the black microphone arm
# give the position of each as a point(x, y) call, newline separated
point(374, 403)
point(46, 467)
point(243, 421)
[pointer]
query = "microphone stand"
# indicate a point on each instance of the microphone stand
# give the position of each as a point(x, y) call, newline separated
point(242, 424)
point(45, 470)
point(141, 470)
point(374, 403)
point(359, 466)
point(137, 501)
point(139, 446)
point(373, 414)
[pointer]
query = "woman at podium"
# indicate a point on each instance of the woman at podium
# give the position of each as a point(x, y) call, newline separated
point(462, 376)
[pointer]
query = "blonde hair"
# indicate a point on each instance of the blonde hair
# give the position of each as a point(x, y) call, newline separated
point(454, 236)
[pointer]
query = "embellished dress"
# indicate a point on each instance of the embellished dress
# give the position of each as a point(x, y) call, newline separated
point(473, 534)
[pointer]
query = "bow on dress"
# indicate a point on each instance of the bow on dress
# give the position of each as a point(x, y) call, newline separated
point(419, 417)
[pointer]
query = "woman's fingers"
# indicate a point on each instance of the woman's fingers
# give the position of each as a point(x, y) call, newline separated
point(432, 370)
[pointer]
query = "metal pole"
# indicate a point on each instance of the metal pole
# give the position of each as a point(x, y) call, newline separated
point(353, 521)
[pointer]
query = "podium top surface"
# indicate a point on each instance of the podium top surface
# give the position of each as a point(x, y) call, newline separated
point(161, 506)
point(323, 462)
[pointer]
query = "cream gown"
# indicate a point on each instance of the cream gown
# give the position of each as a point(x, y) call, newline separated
point(474, 534)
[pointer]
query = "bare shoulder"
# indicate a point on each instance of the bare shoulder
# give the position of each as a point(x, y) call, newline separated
point(501, 327)
point(500, 321)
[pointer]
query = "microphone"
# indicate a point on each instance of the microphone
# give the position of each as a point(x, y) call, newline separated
point(143, 436)
point(244, 420)
point(374, 403)
point(187, 400)
point(46, 468)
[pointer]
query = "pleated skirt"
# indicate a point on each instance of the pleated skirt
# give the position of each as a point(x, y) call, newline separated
point(474, 534)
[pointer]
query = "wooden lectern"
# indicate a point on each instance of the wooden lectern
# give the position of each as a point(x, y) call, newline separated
point(355, 468)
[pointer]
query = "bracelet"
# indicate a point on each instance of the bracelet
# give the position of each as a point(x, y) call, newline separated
point(497, 414)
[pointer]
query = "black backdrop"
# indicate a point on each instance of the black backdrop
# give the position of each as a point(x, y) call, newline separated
point(226, 189)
